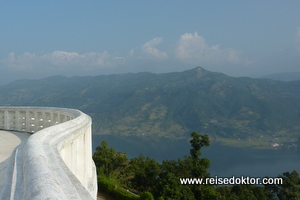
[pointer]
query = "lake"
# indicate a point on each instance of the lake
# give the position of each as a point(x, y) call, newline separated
point(225, 161)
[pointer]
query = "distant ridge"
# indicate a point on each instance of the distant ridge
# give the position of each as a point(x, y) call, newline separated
point(170, 104)
point(289, 76)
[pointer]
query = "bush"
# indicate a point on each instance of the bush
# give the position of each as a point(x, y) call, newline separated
point(110, 187)
point(146, 196)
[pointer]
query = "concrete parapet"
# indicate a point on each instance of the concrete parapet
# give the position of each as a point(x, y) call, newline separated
point(56, 160)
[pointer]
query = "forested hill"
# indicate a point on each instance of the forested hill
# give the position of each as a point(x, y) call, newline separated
point(290, 76)
point(170, 104)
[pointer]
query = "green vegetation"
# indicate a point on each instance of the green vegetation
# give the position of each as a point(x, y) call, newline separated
point(110, 186)
point(167, 104)
point(149, 179)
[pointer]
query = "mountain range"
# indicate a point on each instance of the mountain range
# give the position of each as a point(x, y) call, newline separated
point(171, 104)
point(288, 76)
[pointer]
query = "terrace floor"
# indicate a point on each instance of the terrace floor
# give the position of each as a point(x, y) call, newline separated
point(9, 140)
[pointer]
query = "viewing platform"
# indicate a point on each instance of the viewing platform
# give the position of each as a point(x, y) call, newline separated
point(9, 140)
point(46, 153)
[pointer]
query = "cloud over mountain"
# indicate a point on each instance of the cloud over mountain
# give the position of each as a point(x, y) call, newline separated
point(20, 62)
point(91, 59)
point(149, 49)
point(59, 60)
point(194, 49)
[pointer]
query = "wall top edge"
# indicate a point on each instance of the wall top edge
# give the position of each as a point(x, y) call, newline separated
point(44, 155)
point(70, 111)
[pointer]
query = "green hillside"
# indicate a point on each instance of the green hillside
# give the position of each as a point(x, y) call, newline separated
point(241, 111)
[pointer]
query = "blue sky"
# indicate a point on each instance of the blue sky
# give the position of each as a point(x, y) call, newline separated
point(239, 38)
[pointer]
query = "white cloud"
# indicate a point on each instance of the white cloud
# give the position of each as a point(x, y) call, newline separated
point(91, 59)
point(192, 48)
point(149, 49)
point(60, 60)
point(132, 52)
point(21, 62)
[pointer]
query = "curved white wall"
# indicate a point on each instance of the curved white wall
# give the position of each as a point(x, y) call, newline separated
point(56, 161)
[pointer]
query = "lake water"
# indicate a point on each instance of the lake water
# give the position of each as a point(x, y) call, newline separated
point(225, 161)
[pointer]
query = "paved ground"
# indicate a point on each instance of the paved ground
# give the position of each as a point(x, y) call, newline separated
point(8, 141)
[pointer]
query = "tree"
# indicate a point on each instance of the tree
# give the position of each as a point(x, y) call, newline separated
point(108, 160)
point(243, 192)
point(224, 192)
point(169, 187)
point(190, 167)
point(289, 189)
point(200, 166)
point(197, 142)
point(145, 173)
point(146, 196)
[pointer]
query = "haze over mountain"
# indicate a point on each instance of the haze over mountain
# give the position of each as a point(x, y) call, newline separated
point(238, 38)
point(170, 104)
point(288, 76)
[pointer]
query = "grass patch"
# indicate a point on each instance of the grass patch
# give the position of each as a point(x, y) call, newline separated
point(253, 143)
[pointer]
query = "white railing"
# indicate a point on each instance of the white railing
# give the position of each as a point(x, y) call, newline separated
point(56, 160)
